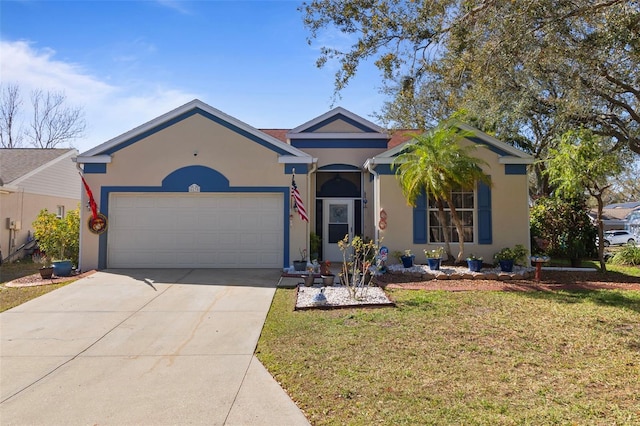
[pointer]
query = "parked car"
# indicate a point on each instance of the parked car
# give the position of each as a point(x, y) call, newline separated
point(618, 237)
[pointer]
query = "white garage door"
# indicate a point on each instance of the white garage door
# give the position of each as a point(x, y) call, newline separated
point(197, 230)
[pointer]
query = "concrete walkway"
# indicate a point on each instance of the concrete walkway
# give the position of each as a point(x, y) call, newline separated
point(143, 347)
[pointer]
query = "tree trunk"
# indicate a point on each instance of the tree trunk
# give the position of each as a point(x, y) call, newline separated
point(459, 228)
point(445, 225)
point(603, 264)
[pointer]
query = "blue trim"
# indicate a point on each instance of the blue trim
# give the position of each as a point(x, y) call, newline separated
point(301, 169)
point(479, 141)
point(95, 168)
point(485, 226)
point(515, 169)
point(339, 143)
point(420, 220)
point(339, 167)
point(384, 169)
point(175, 182)
point(208, 179)
point(339, 117)
point(186, 115)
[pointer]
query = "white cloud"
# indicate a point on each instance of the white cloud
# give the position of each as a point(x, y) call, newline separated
point(178, 5)
point(110, 108)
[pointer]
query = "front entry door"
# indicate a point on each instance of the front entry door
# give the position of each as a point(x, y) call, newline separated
point(338, 222)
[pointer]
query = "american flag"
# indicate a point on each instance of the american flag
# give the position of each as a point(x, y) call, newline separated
point(298, 205)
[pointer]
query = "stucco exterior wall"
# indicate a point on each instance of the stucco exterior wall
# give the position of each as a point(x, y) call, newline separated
point(509, 214)
point(338, 126)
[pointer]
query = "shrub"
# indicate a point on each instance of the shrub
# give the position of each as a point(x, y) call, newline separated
point(518, 254)
point(59, 238)
point(629, 255)
point(566, 227)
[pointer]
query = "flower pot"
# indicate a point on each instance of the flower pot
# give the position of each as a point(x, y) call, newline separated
point(300, 265)
point(327, 280)
point(475, 265)
point(407, 261)
point(46, 272)
point(62, 268)
point(434, 264)
point(506, 265)
point(308, 280)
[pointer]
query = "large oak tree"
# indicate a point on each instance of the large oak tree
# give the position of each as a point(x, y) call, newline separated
point(525, 70)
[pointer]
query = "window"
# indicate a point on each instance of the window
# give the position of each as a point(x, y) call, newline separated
point(60, 212)
point(464, 203)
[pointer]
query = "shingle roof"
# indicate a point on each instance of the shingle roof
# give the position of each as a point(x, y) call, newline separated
point(280, 134)
point(17, 162)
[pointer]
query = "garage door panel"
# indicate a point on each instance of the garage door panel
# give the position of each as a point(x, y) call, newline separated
point(196, 230)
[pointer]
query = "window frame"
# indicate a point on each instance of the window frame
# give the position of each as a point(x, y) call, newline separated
point(433, 209)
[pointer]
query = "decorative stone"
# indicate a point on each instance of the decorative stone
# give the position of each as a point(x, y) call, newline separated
point(442, 277)
point(428, 276)
point(490, 276)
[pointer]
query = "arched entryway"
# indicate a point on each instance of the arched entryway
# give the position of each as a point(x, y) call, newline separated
point(338, 207)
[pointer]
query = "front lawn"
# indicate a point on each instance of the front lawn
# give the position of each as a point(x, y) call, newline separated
point(461, 358)
point(11, 297)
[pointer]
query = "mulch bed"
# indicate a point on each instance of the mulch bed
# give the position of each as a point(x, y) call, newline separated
point(550, 281)
point(36, 279)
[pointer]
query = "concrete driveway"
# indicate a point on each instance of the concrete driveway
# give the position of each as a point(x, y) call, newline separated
point(143, 347)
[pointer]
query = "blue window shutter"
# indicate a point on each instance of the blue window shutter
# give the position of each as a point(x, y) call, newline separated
point(485, 231)
point(420, 220)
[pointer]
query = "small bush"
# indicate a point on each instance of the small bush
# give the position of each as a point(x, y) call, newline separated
point(629, 255)
point(59, 238)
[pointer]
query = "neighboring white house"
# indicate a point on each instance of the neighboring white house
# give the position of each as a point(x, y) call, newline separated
point(32, 179)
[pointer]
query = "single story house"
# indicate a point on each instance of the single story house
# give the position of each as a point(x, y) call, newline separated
point(32, 179)
point(618, 216)
point(197, 188)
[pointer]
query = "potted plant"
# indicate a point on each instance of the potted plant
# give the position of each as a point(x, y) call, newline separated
point(46, 270)
point(407, 259)
point(508, 256)
point(434, 257)
point(59, 239)
point(325, 272)
point(301, 265)
point(474, 263)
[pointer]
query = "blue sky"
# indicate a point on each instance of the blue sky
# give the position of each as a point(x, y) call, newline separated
point(127, 62)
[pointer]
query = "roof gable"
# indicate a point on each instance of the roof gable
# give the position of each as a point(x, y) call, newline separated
point(18, 163)
point(338, 123)
point(507, 153)
point(196, 106)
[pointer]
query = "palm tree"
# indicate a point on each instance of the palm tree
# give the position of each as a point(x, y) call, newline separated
point(434, 162)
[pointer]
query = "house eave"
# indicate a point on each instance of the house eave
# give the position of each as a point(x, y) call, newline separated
point(330, 135)
point(292, 159)
point(515, 160)
point(98, 159)
point(333, 112)
point(184, 109)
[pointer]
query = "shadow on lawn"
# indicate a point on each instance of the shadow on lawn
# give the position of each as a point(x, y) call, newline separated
point(611, 297)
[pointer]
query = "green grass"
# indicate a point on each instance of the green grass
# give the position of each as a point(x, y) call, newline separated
point(11, 297)
point(14, 270)
point(481, 358)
